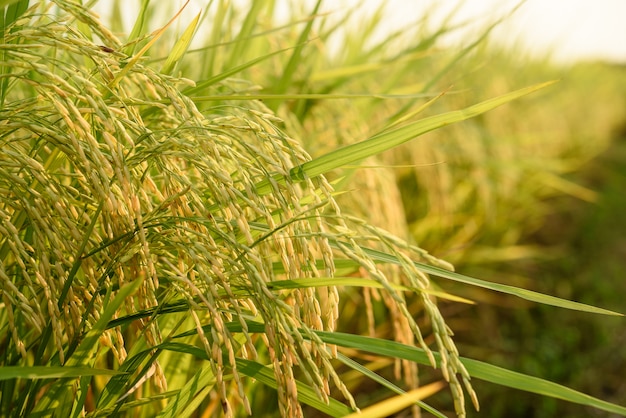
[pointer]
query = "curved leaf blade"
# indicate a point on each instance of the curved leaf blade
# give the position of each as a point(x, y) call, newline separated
point(52, 372)
point(498, 287)
point(181, 46)
point(389, 139)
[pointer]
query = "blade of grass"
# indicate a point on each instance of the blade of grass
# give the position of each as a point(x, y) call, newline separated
point(390, 139)
point(139, 28)
point(356, 282)
point(350, 171)
point(188, 394)
point(134, 404)
point(445, 29)
point(142, 355)
point(386, 140)
point(313, 96)
point(230, 72)
point(14, 9)
point(135, 58)
point(384, 382)
point(477, 369)
point(115, 387)
point(295, 60)
point(502, 288)
point(90, 341)
point(181, 46)
point(242, 41)
point(51, 372)
point(210, 60)
point(306, 394)
point(4, 3)
point(454, 62)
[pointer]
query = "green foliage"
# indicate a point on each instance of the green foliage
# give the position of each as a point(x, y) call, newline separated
point(174, 240)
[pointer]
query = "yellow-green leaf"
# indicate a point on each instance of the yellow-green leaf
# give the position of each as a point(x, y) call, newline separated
point(180, 47)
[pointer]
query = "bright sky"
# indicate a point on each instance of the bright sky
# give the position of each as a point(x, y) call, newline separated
point(577, 29)
point(570, 30)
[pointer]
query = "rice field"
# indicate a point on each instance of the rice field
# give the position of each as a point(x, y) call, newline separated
point(226, 215)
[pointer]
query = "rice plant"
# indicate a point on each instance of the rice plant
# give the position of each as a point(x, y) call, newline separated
point(168, 244)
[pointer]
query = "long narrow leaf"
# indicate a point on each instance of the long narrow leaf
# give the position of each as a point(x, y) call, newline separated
point(356, 282)
point(391, 139)
point(242, 42)
point(384, 382)
point(295, 59)
point(135, 58)
point(51, 372)
point(310, 96)
point(502, 288)
point(306, 395)
point(87, 345)
point(180, 47)
point(201, 85)
point(4, 3)
point(386, 140)
point(13, 12)
point(477, 369)
point(203, 378)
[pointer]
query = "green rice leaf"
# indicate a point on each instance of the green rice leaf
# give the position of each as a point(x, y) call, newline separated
point(516, 291)
point(61, 396)
point(201, 85)
point(181, 46)
point(307, 96)
point(139, 28)
point(384, 382)
point(90, 341)
point(242, 42)
point(52, 372)
point(15, 9)
point(188, 395)
point(154, 36)
point(390, 139)
point(502, 288)
point(295, 60)
point(114, 389)
point(386, 140)
point(356, 282)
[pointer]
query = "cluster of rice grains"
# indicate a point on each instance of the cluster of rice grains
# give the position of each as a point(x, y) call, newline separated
point(104, 181)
